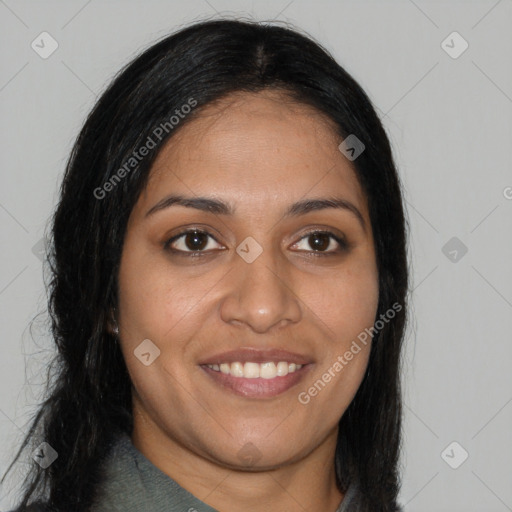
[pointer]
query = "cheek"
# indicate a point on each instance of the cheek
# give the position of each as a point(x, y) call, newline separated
point(346, 305)
point(154, 299)
point(347, 301)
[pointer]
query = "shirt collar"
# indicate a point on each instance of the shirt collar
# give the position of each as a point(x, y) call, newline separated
point(130, 483)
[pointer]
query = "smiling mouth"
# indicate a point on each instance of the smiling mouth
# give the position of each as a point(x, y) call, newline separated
point(256, 380)
point(251, 370)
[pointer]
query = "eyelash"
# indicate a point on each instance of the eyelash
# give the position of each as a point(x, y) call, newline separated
point(343, 245)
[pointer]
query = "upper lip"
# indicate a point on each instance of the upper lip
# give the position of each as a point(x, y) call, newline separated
point(254, 355)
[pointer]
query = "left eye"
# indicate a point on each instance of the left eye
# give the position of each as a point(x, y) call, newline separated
point(320, 241)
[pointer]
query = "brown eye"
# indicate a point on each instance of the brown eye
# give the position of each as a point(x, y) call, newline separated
point(196, 241)
point(321, 242)
point(192, 241)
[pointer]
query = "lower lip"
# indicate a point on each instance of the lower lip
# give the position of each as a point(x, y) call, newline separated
point(257, 388)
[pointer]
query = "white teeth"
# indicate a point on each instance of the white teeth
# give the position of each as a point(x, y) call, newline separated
point(237, 369)
point(282, 369)
point(251, 370)
point(268, 370)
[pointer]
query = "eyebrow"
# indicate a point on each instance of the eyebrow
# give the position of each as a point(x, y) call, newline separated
point(218, 207)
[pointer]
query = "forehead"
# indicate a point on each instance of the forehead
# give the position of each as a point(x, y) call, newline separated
point(264, 143)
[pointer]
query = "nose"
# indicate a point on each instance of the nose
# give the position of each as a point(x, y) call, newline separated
point(261, 295)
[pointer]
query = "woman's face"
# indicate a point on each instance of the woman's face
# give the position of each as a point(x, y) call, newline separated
point(256, 290)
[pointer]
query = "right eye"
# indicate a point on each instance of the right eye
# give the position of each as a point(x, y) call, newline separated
point(193, 242)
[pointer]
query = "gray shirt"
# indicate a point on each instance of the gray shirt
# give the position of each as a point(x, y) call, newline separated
point(132, 484)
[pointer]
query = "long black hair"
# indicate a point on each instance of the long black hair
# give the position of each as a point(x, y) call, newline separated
point(88, 401)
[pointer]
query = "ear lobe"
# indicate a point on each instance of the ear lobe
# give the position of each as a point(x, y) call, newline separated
point(112, 327)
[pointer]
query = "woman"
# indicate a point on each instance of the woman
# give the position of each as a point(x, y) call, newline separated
point(229, 285)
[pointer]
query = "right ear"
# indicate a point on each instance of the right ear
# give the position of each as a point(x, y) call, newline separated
point(112, 327)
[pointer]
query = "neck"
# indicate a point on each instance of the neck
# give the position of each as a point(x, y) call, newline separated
point(306, 485)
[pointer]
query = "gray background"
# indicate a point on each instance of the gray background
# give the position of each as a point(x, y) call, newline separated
point(450, 124)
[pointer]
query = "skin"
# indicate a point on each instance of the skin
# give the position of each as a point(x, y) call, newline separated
point(259, 152)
